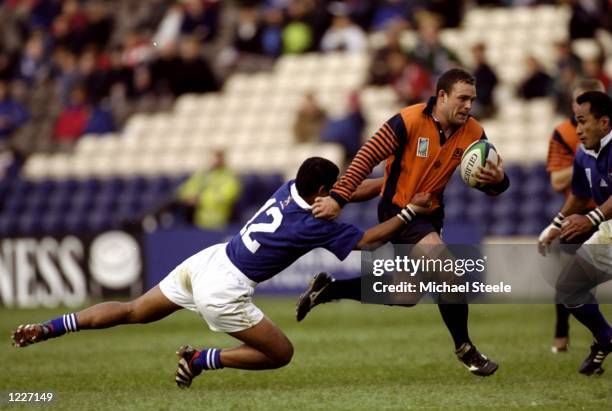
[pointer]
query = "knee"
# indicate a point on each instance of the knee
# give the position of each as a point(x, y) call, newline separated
point(284, 355)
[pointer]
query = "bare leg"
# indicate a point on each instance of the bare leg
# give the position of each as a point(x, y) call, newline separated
point(265, 347)
point(149, 307)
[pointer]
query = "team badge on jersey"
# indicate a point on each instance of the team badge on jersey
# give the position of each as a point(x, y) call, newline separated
point(423, 147)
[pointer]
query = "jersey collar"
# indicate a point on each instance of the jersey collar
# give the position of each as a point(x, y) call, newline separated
point(299, 200)
point(604, 142)
point(429, 106)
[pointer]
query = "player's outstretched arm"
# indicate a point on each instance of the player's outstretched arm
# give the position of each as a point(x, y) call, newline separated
point(367, 190)
point(381, 233)
point(328, 208)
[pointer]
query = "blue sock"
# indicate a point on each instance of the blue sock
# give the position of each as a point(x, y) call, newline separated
point(209, 359)
point(62, 325)
point(593, 319)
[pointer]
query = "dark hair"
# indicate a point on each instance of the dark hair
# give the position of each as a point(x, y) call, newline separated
point(456, 75)
point(314, 173)
point(601, 104)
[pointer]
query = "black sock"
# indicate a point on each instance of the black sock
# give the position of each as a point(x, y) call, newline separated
point(339, 289)
point(593, 319)
point(562, 325)
point(455, 317)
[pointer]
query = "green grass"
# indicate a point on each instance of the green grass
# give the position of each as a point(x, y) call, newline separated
point(347, 356)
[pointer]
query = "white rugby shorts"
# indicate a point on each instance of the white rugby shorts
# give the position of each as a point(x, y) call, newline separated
point(598, 248)
point(209, 284)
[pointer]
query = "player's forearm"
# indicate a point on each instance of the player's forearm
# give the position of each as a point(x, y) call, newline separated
point(378, 148)
point(574, 205)
point(380, 234)
point(560, 180)
point(367, 190)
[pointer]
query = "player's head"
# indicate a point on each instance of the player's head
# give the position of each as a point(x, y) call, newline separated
point(584, 85)
point(593, 118)
point(455, 93)
point(316, 177)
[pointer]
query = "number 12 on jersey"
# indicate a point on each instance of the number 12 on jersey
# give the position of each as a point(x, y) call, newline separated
point(250, 228)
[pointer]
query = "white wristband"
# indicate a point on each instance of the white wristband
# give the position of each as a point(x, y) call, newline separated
point(407, 214)
point(558, 220)
point(596, 217)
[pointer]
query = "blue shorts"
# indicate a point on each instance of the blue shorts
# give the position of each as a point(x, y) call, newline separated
point(418, 228)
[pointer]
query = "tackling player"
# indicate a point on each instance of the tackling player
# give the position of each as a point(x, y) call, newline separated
point(562, 148)
point(591, 179)
point(219, 281)
point(422, 146)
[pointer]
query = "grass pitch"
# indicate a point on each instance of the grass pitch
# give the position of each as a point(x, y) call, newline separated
point(347, 356)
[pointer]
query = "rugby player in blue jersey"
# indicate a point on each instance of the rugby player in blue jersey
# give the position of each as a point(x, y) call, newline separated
point(591, 179)
point(219, 281)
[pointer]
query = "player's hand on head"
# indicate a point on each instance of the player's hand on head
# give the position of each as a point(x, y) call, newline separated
point(326, 208)
point(547, 236)
point(421, 203)
point(574, 226)
point(491, 173)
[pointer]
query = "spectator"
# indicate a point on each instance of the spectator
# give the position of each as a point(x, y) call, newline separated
point(212, 194)
point(593, 68)
point(12, 114)
point(67, 73)
point(309, 120)
point(538, 83)
point(298, 35)
point(486, 81)
point(343, 35)
point(100, 121)
point(194, 73)
point(380, 70)
point(563, 85)
point(346, 130)
point(584, 21)
point(200, 19)
point(272, 35)
point(566, 57)
point(248, 32)
point(391, 13)
point(410, 80)
point(99, 25)
point(32, 67)
point(429, 51)
point(165, 69)
point(72, 121)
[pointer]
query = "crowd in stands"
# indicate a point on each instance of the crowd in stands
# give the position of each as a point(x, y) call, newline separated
point(71, 67)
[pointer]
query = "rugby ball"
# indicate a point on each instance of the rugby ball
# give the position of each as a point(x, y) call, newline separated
point(476, 155)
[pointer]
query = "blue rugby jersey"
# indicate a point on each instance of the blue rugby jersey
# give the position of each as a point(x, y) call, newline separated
point(592, 175)
point(282, 231)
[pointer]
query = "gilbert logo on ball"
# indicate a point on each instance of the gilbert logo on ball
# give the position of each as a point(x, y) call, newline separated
point(476, 155)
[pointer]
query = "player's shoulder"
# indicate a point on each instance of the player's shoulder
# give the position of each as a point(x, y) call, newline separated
point(581, 155)
point(472, 125)
point(414, 113)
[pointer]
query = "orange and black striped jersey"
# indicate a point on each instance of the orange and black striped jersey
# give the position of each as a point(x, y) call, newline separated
point(562, 147)
point(419, 156)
